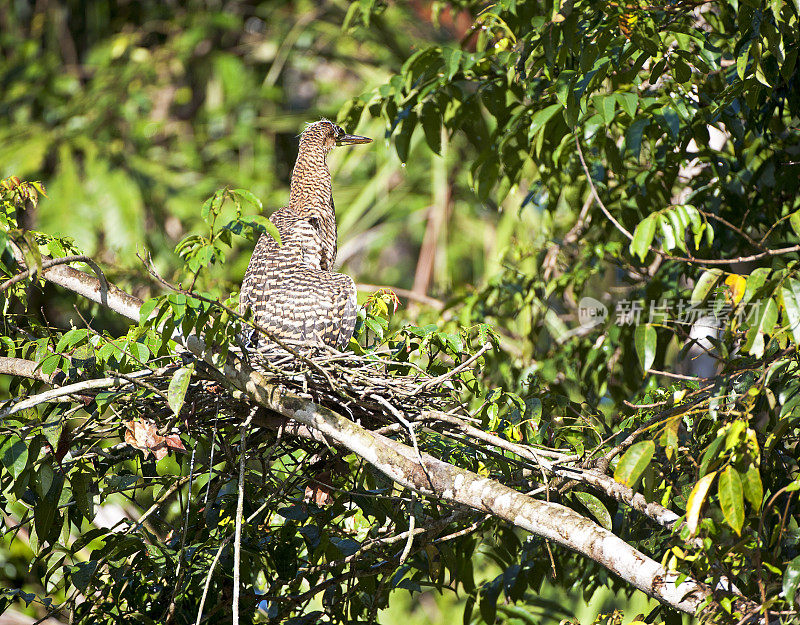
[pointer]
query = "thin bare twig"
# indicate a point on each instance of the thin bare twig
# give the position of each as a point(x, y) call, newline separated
point(237, 543)
point(677, 376)
point(446, 376)
point(73, 389)
point(602, 206)
point(412, 520)
point(695, 261)
point(736, 229)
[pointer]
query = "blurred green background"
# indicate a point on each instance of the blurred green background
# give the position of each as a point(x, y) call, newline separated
point(133, 113)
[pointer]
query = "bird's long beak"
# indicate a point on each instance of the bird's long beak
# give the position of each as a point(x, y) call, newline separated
point(352, 140)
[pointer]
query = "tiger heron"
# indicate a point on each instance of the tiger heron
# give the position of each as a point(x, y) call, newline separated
point(291, 288)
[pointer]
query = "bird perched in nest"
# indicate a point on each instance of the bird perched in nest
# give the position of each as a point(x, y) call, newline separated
point(292, 288)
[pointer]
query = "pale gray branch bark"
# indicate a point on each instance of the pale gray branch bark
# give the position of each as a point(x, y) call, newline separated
point(25, 369)
point(430, 477)
point(52, 263)
point(72, 389)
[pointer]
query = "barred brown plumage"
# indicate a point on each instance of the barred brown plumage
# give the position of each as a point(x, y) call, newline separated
point(292, 288)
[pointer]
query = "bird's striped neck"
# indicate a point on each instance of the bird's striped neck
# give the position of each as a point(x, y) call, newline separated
point(310, 191)
point(311, 194)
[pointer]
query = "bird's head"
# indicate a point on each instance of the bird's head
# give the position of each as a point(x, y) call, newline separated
point(329, 135)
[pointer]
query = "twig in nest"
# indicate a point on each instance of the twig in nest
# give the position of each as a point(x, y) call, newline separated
point(446, 376)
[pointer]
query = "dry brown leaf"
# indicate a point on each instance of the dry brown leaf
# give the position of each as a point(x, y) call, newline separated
point(143, 435)
point(320, 489)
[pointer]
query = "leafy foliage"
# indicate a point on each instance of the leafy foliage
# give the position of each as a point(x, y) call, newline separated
point(644, 157)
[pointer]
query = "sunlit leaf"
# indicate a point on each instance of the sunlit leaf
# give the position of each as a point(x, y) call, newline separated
point(697, 497)
point(178, 386)
point(791, 579)
point(704, 285)
point(248, 197)
point(737, 285)
point(541, 117)
point(731, 498)
point(596, 508)
point(633, 462)
point(643, 237)
point(752, 487)
point(790, 291)
point(14, 454)
point(646, 342)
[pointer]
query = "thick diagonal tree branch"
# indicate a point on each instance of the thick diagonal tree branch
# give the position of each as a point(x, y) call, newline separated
point(95, 289)
point(421, 472)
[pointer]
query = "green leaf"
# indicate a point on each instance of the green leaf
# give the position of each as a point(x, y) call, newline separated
point(50, 364)
point(669, 436)
point(489, 593)
point(643, 237)
point(139, 351)
point(634, 462)
point(791, 305)
point(52, 430)
point(44, 479)
point(541, 117)
point(762, 323)
point(694, 504)
point(14, 455)
point(432, 126)
point(633, 136)
point(752, 487)
point(45, 512)
point(80, 575)
point(176, 393)
point(606, 106)
point(147, 309)
point(741, 62)
point(731, 498)
point(755, 281)
point(711, 454)
point(646, 343)
point(681, 71)
point(403, 139)
point(794, 221)
point(452, 60)
point(73, 337)
point(704, 285)
point(679, 222)
point(791, 579)
point(657, 70)
point(257, 223)
point(669, 235)
point(81, 485)
point(629, 103)
point(486, 178)
point(247, 196)
point(595, 508)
